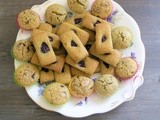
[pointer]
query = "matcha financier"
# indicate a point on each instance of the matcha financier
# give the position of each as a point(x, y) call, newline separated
point(28, 20)
point(106, 85)
point(56, 93)
point(26, 74)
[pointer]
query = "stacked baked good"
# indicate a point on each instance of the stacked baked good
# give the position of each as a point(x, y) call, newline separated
point(67, 51)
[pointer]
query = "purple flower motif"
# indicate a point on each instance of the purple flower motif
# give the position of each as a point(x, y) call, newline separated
point(86, 99)
point(80, 103)
point(40, 90)
point(133, 55)
point(94, 79)
point(109, 19)
point(69, 14)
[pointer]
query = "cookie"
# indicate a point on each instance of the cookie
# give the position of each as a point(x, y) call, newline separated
point(88, 65)
point(103, 43)
point(110, 58)
point(53, 38)
point(46, 27)
point(55, 14)
point(76, 19)
point(56, 93)
point(121, 37)
point(101, 8)
point(26, 75)
point(78, 6)
point(46, 75)
point(90, 21)
point(23, 50)
point(65, 76)
point(106, 85)
point(28, 20)
point(57, 66)
point(83, 35)
point(44, 49)
point(73, 46)
point(126, 68)
point(81, 86)
point(106, 68)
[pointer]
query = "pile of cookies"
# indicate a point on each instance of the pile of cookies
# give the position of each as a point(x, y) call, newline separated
point(67, 51)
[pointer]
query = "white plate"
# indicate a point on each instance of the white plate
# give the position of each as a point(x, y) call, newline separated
point(94, 104)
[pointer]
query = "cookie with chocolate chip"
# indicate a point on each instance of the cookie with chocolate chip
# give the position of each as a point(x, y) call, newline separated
point(23, 50)
point(26, 75)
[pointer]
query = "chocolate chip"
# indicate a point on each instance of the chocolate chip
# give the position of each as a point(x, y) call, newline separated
point(88, 46)
point(44, 48)
point(63, 70)
point(54, 26)
point(106, 53)
point(104, 38)
point(74, 30)
point(62, 86)
point(33, 75)
point(77, 20)
point(97, 22)
point(106, 64)
point(31, 48)
point(73, 44)
point(44, 69)
point(50, 39)
point(81, 64)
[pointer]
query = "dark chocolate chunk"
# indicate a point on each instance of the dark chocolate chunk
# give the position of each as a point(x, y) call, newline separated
point(74, 30)
point(88, 46)
point(50, 39)
point(106, 64)
point(62, 70)
point(77, 20)
point(33, 75)
point(81, 63)
point(62, 86)
point(104, 38)
point(106, 53)
point(97, 22)
point(73, 44)
point(44, 69)
point(44, 48)
point(54, 26)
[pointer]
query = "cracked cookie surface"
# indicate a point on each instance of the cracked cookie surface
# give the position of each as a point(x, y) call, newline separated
point(55, 14)
point(77, 6)
point(106, 85)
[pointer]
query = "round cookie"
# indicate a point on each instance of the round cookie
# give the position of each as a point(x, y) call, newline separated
point(56, 93)
point(55, 14)
point(28, 20)
point(81, 86)
point(23, 50)
point(121, 38)
point(106, 85)
point(78, 6)
point(101, 8)
point(26, 75)
point(126, 68)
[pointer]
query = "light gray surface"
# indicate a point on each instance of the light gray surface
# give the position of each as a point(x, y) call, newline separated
point(16, 105)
